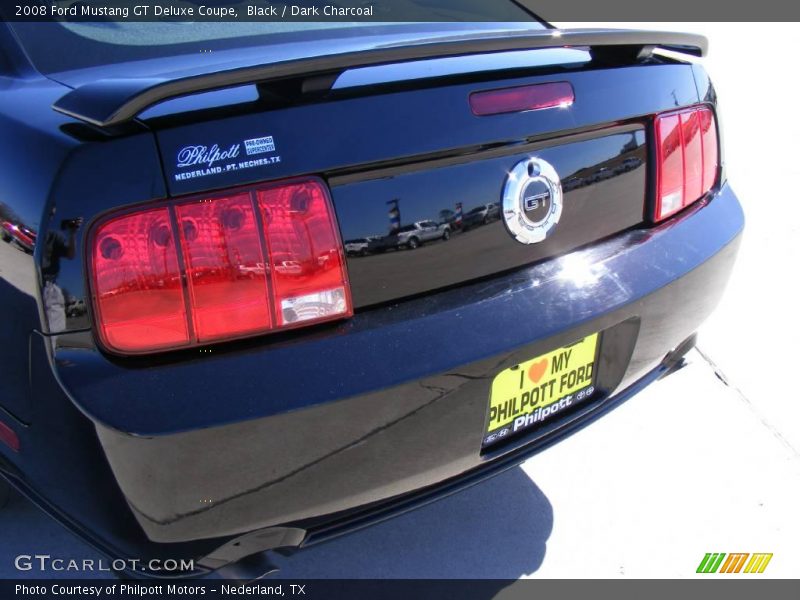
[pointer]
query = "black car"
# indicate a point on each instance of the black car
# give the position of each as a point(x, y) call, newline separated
point(199, 372)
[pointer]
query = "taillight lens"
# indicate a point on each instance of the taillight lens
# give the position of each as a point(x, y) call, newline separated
point(224, 261)
point(221, 267)
point(687, 158)
point(9, 438)
point(139, 297)
point(708, 133)
point(670, 165)
point(305, 254)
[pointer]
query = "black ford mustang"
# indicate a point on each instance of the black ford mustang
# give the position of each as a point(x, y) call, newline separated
point(193, 368)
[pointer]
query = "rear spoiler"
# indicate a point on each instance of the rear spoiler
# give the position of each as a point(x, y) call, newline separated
point(112, 102)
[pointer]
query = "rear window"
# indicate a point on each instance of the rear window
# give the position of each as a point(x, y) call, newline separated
point(65, 46)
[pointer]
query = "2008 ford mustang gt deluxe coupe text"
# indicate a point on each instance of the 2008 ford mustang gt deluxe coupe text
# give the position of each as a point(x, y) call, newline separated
point(192, 365)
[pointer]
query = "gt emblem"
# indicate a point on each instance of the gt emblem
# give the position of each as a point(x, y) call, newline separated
point(532, 200)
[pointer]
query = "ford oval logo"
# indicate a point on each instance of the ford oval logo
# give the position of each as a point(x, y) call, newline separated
point(532, 200)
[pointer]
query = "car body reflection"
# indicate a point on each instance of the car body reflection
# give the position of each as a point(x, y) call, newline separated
point(357, 247)
point(18, 235)
point(411, 236)
point(481, 215)
point(603, 181)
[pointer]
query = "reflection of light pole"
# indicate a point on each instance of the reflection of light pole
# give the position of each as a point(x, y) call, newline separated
point(394, 214)
point(315, 263)
point(164, 255)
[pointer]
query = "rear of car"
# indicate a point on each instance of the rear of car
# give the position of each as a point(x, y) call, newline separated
point(232, 377)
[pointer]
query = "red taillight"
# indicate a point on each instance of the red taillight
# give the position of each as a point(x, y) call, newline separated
point(670, 165)
point(708, 132)
point(139, 297)
point(692, 157)
point(220, 267)
point(305, 254)
point(517, 99)
point(687, 158)
point(224, 263)
point(8, 437)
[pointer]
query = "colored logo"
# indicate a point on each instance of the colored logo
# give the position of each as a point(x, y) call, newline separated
point(537, 370)
point(741, 562)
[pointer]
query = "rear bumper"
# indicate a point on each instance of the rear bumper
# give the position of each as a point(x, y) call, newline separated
point(316, 436)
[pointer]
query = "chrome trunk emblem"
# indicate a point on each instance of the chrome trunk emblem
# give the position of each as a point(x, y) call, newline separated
point(532, 200)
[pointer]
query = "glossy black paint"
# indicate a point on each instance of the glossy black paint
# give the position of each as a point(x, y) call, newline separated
point(432, 190)
point(388, 128)
point(111, 102)
point(232, 424)
point(368, 140)
point(261, 472)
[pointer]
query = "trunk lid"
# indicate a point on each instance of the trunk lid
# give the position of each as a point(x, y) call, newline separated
point(419, 148)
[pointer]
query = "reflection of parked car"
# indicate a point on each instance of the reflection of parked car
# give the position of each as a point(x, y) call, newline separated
point(571, 183)
point(601, 174)
point(481, 215)
point(631, 163)
point(356, 247)
point(628, 164)
point(252, 270)
point(411, 236)
point(289, 267)
point(23, 237)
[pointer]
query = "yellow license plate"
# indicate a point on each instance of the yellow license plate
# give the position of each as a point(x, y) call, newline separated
point(538, 389)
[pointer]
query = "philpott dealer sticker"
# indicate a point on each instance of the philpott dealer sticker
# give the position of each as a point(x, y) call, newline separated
point(203, 160)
